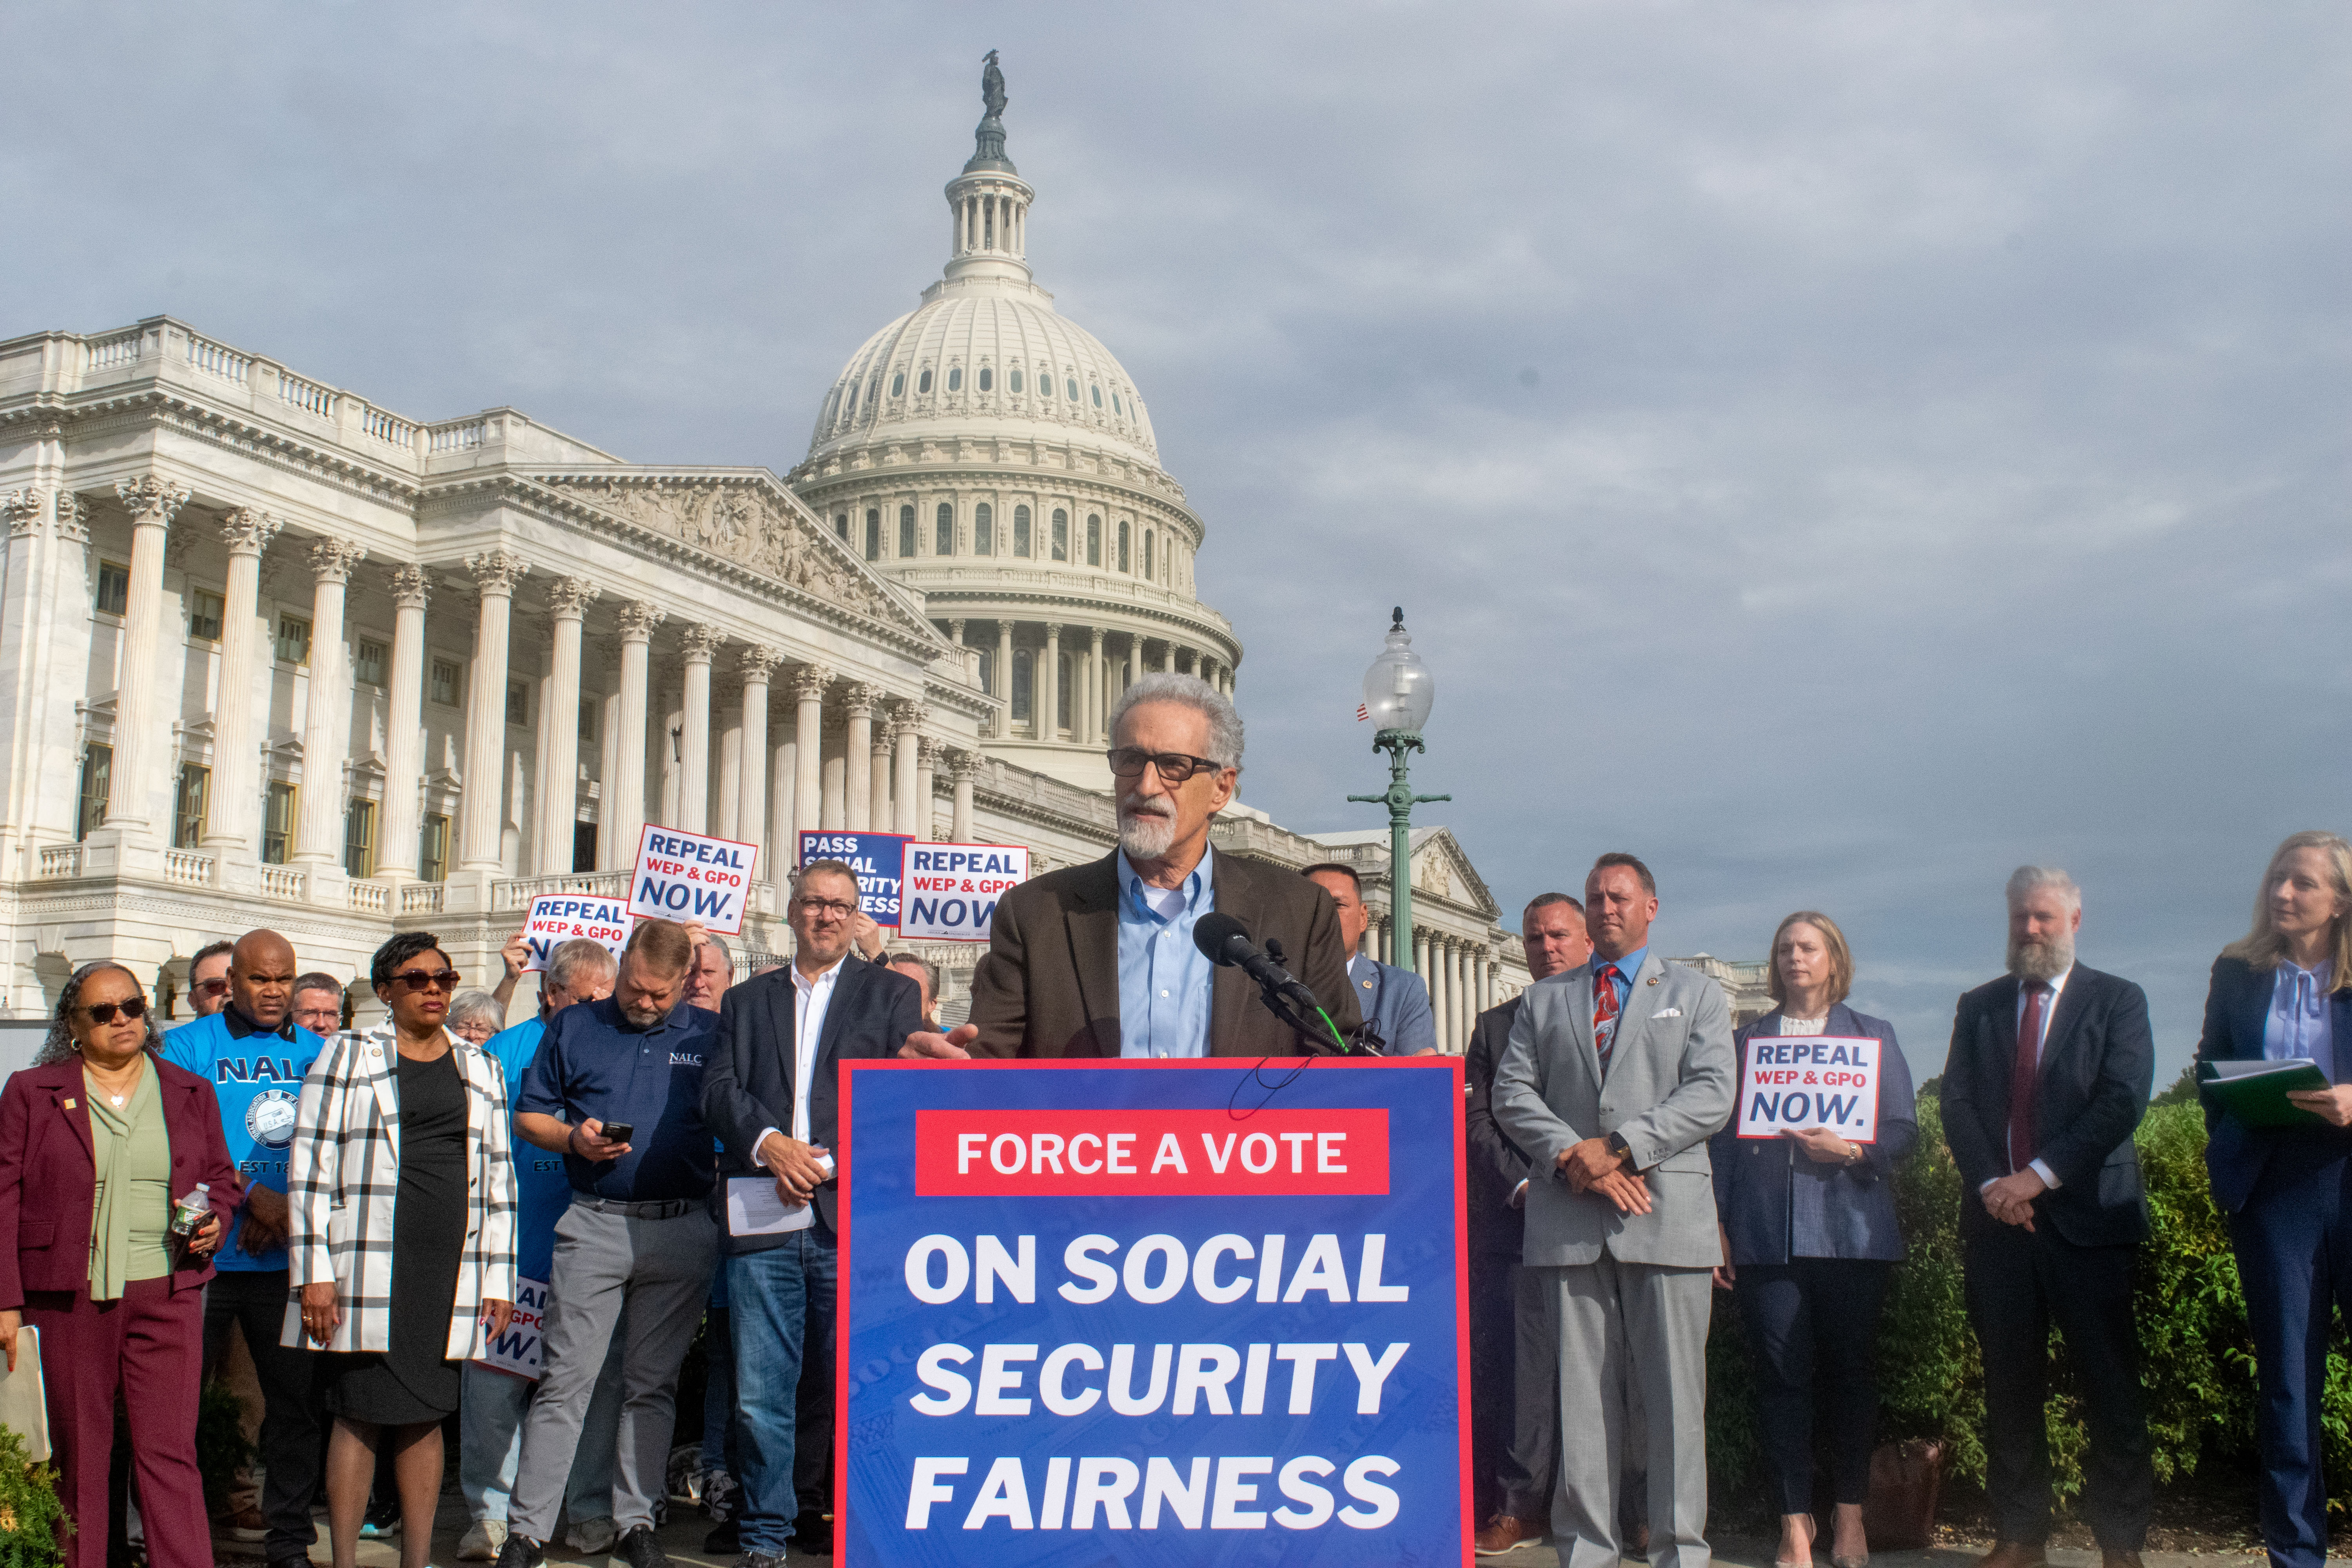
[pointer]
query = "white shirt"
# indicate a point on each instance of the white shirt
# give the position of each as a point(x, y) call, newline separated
point(810, 999)
point(2049, 1011)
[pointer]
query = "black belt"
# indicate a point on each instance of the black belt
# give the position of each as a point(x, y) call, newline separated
point(658, 1208)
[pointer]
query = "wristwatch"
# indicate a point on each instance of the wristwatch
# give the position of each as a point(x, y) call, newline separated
point(1619, 1147)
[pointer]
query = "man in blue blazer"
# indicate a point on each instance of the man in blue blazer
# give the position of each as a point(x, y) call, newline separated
point(1395, 1001)
point(2047, 1080)
point(769, 1092)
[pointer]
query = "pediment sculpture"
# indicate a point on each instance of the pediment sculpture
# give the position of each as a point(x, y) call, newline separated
point(736, 522)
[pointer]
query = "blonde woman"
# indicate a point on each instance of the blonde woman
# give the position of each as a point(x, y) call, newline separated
point(2284, 991)
point(402, 1251)
point(1809, 1240)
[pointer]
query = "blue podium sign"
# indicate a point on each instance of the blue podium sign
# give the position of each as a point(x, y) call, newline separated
point(1153, 1312)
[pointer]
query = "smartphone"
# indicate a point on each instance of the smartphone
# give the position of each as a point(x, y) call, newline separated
point(619, 1131)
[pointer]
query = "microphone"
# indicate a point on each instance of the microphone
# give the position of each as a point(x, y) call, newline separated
point(1225, 940)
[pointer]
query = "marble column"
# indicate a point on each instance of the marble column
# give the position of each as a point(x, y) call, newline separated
point(568, 599)
point(776, 861)
point(403, 729)
point(809, 681)
point(1093, 701)
point(927, 786)
point(757, 662)
point(1003, 679)
point(1134, 658)
point(1168, 657)
point(142, 735)
point(481, 814)
point(910, 803)
point(700, 643)
point(326, 732)
point(728, 798)
point(232, 820)
point(625, 791)
point(1045, 685)
point(884, 740)
point(857, 757)
point(963, 769)
point(608, 762)
point(834, 815)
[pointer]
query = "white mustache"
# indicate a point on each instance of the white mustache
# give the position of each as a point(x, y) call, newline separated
point(1148, 808)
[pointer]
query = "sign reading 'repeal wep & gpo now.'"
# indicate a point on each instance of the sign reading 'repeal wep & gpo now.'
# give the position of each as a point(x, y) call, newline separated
point(1152, 1313)
point(683, 876)
point(950, 890)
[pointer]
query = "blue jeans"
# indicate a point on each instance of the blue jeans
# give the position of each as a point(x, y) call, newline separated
point(780, 1306)
point(489, 1441)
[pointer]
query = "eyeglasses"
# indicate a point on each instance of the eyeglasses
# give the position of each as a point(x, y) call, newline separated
point(426, 980)
point(216, 987)
point(819, 908)
point(104, 1012)
point(1175, 768)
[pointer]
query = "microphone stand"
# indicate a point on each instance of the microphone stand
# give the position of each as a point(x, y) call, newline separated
point(1316, 1034)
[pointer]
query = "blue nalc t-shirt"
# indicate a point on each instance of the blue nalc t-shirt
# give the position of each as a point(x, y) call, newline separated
point(543, 1192)
point(257, 1078)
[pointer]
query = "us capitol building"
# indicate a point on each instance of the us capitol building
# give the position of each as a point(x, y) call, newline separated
point(273, 654)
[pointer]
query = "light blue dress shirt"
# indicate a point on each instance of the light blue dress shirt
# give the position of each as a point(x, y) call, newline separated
point(2299, 1025)
point(1164, 979)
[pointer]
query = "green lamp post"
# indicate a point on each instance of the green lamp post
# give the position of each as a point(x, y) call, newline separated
point(1398, 692)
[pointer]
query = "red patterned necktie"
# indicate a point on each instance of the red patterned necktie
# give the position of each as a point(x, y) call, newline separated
point(2025, 1074)
point(1604, 1013)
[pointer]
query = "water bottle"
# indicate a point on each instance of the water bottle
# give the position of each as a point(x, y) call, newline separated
point(190, 1211)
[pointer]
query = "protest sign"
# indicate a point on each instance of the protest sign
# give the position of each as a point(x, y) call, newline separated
point(685, 875)
point(558, 917)
point(1159, 1313)
point(950, 890)
point(518, 1350)
point(875, 857)
point(1792, 1083)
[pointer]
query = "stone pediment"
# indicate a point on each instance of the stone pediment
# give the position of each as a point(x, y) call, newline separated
point(1441, 868)
point(751, 521)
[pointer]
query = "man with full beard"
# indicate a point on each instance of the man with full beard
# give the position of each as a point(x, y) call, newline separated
point(2048, 1077)
point(1097, 960)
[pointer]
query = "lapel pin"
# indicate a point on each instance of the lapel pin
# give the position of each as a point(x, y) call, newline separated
point(1653, 980)
point(71, 1103)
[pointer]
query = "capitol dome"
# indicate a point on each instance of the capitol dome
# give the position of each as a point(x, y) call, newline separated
point(993, 457)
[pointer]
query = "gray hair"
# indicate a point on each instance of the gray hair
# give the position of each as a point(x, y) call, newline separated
point(930, 970)
point(575, 961)
point(476, 1006)
point(2033, 879)
point(58, 1046)
point(1191, 691)
point(726, 953)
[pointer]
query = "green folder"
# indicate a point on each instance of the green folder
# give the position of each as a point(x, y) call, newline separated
point(2256, 1092)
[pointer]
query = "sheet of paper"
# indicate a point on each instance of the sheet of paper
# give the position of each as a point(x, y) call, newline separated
point(754, 1207)
point(23, 1408)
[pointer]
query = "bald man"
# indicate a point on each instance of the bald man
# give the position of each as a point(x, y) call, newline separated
point(254, 1056)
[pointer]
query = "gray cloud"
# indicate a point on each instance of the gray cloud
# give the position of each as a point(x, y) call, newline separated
point(1934, 457)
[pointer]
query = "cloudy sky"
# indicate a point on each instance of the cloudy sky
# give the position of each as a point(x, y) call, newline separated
point(1839, 451)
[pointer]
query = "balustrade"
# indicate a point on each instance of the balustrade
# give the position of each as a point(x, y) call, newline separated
point(60, 860)
point(188, 869)
point(218, 359)
point(282, 882)
point(371, 897)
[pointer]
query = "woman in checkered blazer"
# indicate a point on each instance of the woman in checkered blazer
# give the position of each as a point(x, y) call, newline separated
point(401, 1188)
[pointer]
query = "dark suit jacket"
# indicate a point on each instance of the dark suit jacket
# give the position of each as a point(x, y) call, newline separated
point(49, 1175)
point(2237, 1009)
point(747, 1083)
point(2097, 1061)
point(1048, 985)
point(1754, 1176)
point(1496, 1165)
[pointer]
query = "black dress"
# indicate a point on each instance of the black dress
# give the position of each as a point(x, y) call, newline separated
point(416, 1381)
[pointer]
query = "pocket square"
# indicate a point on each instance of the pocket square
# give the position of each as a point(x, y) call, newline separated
point(1667, 1013)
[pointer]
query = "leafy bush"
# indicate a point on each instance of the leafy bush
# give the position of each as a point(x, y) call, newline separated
point(221, 1449)
point(30, 1513)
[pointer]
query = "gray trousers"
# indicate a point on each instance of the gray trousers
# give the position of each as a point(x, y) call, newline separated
point(659, 1269)
point(1633, 1370)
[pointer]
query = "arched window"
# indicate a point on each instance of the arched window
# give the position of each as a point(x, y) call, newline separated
point(988, 671)
point(984, 529)
point(841, 525)
point(898, 385)
point(874, 387)
point(1015, 382)
point(923, 381)
point(1045, 382)
point(852, 406)
point(1022, 669)
point(1097, 394)
point(1147, 553)
point(1062, 693)
point(1061, 534)
point(984, 378)
point(906, 531)
point(1071, 383)
point(955, 379)
point(1115, 409)
point(1122, 546)
point(873, 535)
point(1021, 530)
point(943, 541)
point(1094, 541)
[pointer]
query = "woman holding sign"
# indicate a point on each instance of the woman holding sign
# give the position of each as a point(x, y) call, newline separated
point(2283, 994)
point(1808, 1219)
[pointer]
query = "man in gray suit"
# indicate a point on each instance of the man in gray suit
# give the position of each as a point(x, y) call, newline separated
point(1616, 1074)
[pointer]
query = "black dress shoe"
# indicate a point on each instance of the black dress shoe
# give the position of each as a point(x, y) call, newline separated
point(725, 1539)
point(521, 1552)
point(639, 1549)
point(812, 1535)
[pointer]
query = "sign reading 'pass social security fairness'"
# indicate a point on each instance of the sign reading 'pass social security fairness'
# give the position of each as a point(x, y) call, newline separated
point(1151, 1312)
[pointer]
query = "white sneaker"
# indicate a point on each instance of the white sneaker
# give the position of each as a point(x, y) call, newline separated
point(590, 1537)
point(481, 1540)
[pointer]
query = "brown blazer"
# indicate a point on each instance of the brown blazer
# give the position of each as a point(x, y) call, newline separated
point(1048, 986)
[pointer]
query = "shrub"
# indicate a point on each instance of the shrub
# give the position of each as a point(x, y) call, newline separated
point(30, 1513)
point(221, 1449)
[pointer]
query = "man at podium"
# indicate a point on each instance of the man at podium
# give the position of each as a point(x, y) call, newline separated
point(1098, 959)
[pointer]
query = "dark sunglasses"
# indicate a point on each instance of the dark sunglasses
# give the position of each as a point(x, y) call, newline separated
point(426, 980)
point(210, 988)
point(104, 1012)
point(1175, 768)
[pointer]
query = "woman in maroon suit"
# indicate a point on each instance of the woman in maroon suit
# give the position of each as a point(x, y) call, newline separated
point(98, 1139)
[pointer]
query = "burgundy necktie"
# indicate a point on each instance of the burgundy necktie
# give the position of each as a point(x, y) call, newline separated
point(1604, 1013)
point(2024, 1075)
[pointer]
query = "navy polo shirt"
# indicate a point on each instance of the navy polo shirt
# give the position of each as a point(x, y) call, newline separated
point(594, 1062)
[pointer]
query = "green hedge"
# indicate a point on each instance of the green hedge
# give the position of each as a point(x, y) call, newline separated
point(2198, 1357)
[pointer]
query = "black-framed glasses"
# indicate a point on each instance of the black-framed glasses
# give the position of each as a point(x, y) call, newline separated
point(819, 908)
point(427, 979)
point(1174, 767)
point(216, 986)
point(104, 1012)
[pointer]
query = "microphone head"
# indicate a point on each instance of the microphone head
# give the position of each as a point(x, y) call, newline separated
point(1221, 937)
